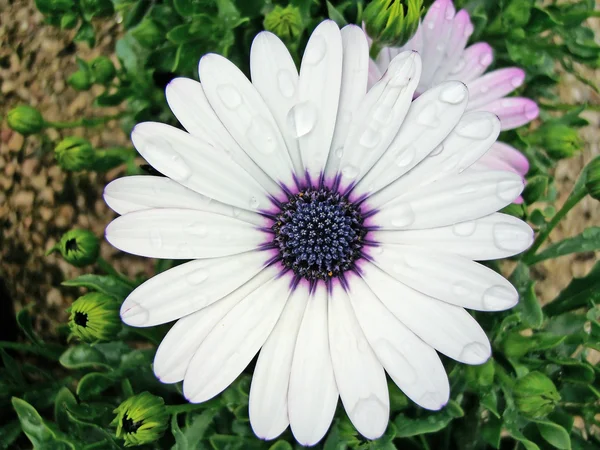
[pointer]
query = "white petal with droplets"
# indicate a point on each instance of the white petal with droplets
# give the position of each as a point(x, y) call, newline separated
point(246, 116)
point(359, 376)
point(412, 364)
point(198, 165)
point(378, 118)
point(238, 336)
point(271, 378)
point(137, 193)
point(451, 200)
point(449, 329)
point(189, 287)
point(313, 394)
point(275, 77)
point(171, 233)
point(492, 237)
point(312, 119)
point(451, 278)
point(430, 119)
point(181, 342)
point(437, 29)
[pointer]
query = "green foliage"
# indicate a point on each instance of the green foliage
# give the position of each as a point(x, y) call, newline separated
point(101, 392)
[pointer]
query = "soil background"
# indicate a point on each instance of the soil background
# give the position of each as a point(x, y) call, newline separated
point(39, 202)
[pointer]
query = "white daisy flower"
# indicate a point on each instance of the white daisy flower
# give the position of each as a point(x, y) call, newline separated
point(330, 228)
point(441, 41)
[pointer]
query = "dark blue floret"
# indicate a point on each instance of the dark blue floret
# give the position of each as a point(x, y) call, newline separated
point(319, 234)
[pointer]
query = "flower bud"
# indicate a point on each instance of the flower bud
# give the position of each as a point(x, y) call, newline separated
point(80, 80)
point(284, 22)
point(94, 318)
point(592, 183)
point(103, 70)
point(75, 153)
point(25, 120)
point(391, 23)
point(535, 395)
point(559, 141)
point(78, 247)
point(141, 419)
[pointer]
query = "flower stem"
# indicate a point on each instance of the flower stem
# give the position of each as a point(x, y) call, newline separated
point(110, 270)
point(177, 409)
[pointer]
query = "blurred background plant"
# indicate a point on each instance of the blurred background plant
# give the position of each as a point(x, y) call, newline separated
point(89, 384)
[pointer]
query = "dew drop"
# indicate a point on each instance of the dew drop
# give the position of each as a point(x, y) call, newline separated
point(339, 152)
point(235, 212)
point(516, 81)
point(197, 276)
point(370, 138)
point(406, 157)
point(403, 216)
point(511, 238)
point(162, 155)
point(254, 203)
point(350, 171)
point(286, 83)
point(315, 50)
point(486, 59)
point(431, 25)
point(428, 116)
point(261, 135)
point(484, 89)
point(460, 65)
point(498, 298)
point(230, 96)
point(156, 239)
point(436, 151)
point(468, 188)
point(474, 353)
point(454, 94)
point(302, 118)
point(508, 190)
point(461, 289)
point(477, 129)
point(464, 228)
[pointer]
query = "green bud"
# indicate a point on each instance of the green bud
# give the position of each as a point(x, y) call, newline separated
point(284, 22)
point(94, 318)
point(69, 21)
point(103, 70)
point(75, 153)
point(80, 80)
point(391, 23)
point(592, 183)
point(78, 247)
point(148, 33)
point(535, 395)
point(559, 140)
point(25, 120)
point(141, 419)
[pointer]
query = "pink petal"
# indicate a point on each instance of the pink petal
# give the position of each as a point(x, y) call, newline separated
point(462, 28)
point(474, 61)
point(512, 111)
point(494, 85)
point(502, 156)
point(437, 27)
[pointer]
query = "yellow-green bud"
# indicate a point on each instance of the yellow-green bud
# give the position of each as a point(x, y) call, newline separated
point(592, 183)
point(25, 120)
point(75, 153)
point(103, 70)
point(391, 23)
point(535, 395)
point(78, 247)
point(284, 22)
point(80, 80)
point(141, 419)
point(94, 318)
point(561, 141)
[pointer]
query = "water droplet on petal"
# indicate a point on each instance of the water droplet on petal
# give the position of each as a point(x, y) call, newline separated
point(486, 59)
point(406, 157)
point(508, 190)
point(468, 188)
point(339, 152)
point(403, 216)
point(134, 314)
point(436, 151)
point(261, 135)
point(315, 50)
point(464, 228)
point(428, 116)
point(370, 138)
point(475, 353)
point(454, 94)
point(511, 237)
point(235, 212)
point(350, 171)
point(517, 81)
point(254, 203)
point(476, 129)
point(286, 84)
point(302, 118)
point(230, 96)
point(431, 25)
point(161, 155)
point(498, 298)
point(461, 289)
point(197, 276)
point(484, 89)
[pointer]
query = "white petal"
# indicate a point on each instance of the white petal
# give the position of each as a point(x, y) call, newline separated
point(181, 342)
point(137, 193)
point(198, 165)
point(182, 234)
point(355, 73)
point(379, 117)
point(313, 394)
point(313, 118)
point(473, 63)
point(492, 237)
point(189, 287)
point(451, 278)
point(413, 365)
point(430, 119)
point(232, 343)
point(246, 116)
point(188, 102)
point(359, 375)
point(275, 77)
point(462, 28)
point(271, 378)
point(448, 201)
point(447, 328)
point(469, 140)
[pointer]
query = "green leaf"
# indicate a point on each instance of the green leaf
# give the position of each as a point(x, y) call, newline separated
point(196, 425)
point(554, 434)
point(536, 188)
point(83, 356)
point(9, 433)
point(93, 384)
point(336, 15)
point(225, 442)
point(281, 445)
point(531, 309)
point(107, 284)
point(64, 400)
point(433, 422)
point(86, 34)
point(588, 241)
point(40, 434)
point(517, 435)
point(579, 293)
point(185, 8)
point(516, 345)
point(24, 322)
point(490, 431)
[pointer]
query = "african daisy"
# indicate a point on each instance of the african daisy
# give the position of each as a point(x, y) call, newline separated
point(331, 228)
